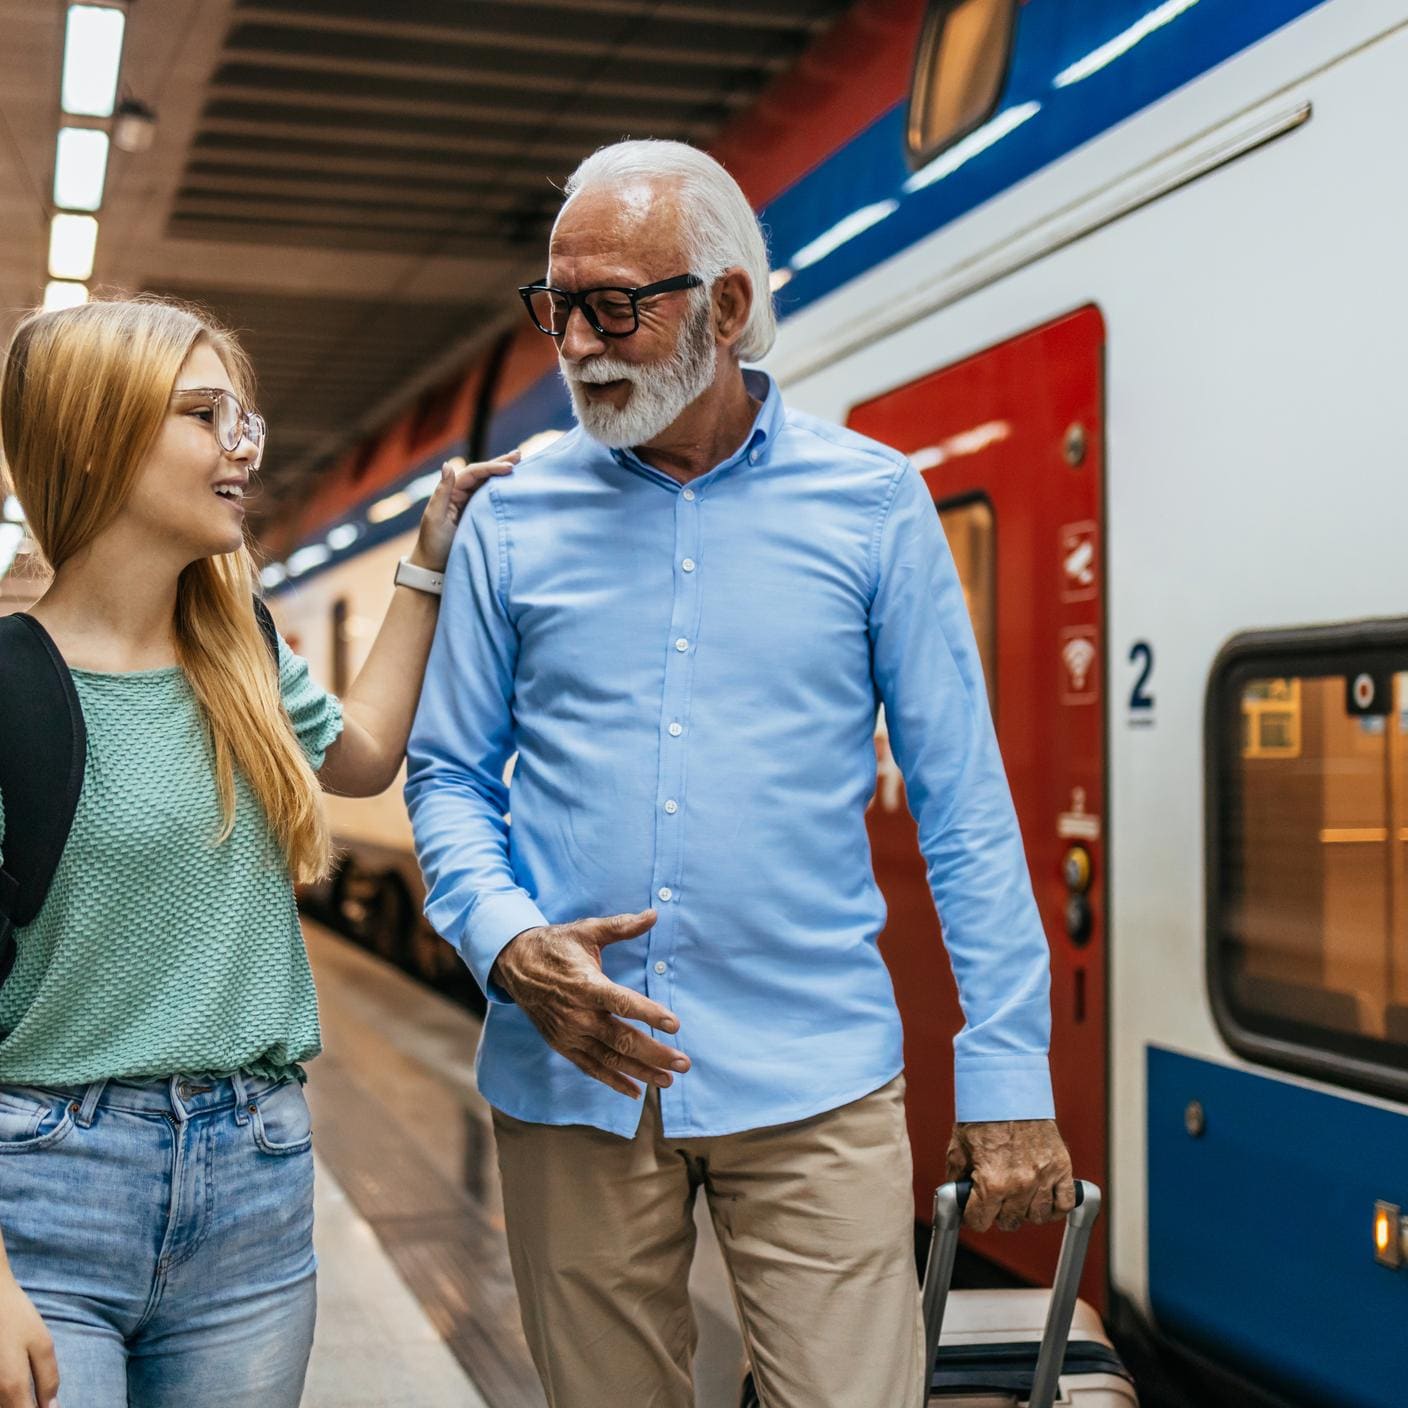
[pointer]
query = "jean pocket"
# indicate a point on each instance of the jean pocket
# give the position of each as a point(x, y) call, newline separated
point(32, 1119)
point(281, 1121)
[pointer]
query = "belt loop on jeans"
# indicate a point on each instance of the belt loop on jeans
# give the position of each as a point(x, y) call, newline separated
point(89, 1106)
point(241, 1098)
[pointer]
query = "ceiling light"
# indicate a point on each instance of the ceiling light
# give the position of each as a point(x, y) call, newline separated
point(539, 441)
point(133, 126)
point(92, 57)
point(307, 558)
point(72, 242)
point(423, 487)
point(388, 508)
point(80, 168)
point(62, 293)
point(273, 575)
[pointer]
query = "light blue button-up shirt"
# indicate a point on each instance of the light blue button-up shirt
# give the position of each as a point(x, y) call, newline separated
point(689, 675)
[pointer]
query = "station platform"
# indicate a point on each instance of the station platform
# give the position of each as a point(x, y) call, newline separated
point(416, 1300)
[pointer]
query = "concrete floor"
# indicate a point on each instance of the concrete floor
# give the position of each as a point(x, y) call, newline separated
point(374, 1347)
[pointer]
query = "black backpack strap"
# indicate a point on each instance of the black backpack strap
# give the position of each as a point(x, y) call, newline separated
point(43, 744)
point(271, 631)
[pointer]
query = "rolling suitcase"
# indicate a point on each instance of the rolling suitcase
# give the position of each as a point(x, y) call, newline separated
point(1005, 1349)
point(1000, 1349)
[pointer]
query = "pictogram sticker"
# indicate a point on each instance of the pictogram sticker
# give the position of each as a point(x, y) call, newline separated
point(1077, 824)
point(1079, 561)
point(1080, 665)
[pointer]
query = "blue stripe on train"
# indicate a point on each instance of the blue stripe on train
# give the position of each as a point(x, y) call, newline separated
point(1261, 1231)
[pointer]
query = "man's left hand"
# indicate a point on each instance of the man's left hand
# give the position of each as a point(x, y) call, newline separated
point(1020, 1169)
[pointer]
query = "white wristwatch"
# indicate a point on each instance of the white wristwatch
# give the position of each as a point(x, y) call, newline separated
point(421, 578)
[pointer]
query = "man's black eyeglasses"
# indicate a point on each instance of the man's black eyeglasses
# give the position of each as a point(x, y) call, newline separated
point(613, 312)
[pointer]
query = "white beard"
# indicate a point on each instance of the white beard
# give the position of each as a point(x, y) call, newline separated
point(660, 391)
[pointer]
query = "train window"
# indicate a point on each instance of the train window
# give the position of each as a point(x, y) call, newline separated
point(959, 71)
point(969, 529)
point(341, 636)
point(1308, 852)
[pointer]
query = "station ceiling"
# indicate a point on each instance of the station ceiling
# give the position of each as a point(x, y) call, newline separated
point(357, 187)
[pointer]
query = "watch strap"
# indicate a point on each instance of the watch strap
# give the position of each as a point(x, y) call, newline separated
point(422, 579)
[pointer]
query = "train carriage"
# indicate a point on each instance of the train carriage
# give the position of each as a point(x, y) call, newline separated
point(1122, 279)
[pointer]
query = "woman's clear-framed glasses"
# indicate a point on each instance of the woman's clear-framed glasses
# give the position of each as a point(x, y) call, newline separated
point(613, 312)
point(230, 423)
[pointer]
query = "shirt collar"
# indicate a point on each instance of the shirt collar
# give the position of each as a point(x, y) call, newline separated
point(757, 445)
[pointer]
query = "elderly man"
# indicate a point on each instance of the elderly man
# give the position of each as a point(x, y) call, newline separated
point(681, 617)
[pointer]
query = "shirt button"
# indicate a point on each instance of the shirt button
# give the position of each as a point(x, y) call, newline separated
point(665, 893)
point(688, 564)
point(689, 495)
point(755, 457)
point(681, 645)
point(672, 806)
point(662, 967)
point(676, 730)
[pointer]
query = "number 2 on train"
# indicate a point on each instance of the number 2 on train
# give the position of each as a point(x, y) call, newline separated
point(1140, 700)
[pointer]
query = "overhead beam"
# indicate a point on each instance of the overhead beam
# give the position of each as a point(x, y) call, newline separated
point(352, 273)
point(359, 138)
point(743, 14)
point(276, 236)
point(615, 41)
point(257, 154)
point(566, 83)
point(316, 189)
point(616, 120)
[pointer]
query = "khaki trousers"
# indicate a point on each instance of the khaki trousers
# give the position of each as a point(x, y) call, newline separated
point(815, 1220)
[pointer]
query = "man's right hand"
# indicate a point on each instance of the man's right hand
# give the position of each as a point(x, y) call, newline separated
point(554, 974)
point(26, 1350)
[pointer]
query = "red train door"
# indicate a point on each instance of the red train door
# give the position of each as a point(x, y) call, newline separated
point(1010, 443)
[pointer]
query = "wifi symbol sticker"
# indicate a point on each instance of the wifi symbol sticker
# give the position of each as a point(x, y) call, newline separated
point(1080, 674)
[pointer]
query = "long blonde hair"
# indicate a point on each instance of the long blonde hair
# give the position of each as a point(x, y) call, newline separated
point(83, 397)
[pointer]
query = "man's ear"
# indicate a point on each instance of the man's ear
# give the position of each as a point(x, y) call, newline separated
point(733, 301)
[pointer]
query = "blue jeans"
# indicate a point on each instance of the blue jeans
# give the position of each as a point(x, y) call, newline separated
point(164, 1231)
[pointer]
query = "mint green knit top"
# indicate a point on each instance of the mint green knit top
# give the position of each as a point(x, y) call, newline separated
point(159, 952)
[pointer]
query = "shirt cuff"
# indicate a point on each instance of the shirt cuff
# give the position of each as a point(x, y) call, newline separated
point(1003, 1088)
point(498, 920)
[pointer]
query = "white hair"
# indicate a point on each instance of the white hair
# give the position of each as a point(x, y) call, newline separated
point(719, 227)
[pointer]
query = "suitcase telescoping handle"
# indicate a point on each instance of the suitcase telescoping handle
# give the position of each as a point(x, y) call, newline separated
point(949, 1204)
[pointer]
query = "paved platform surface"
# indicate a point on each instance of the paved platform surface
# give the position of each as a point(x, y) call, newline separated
point(375, 1346)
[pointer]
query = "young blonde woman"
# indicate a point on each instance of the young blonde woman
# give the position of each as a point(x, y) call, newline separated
point(155, 1168)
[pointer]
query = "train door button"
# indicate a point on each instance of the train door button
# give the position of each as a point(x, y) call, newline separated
point(1077, 869)
point(1079, 920)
